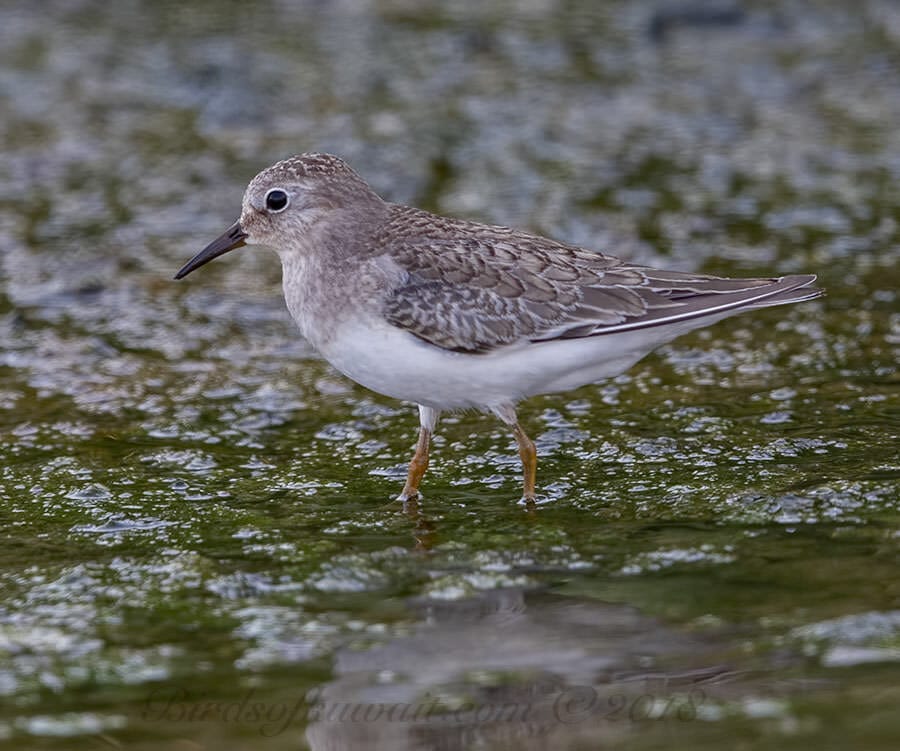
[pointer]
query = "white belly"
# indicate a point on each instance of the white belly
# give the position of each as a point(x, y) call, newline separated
point(393, 362)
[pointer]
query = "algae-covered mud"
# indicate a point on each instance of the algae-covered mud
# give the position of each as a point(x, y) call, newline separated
point(199, 548)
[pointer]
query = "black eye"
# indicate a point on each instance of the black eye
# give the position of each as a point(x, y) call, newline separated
point(276, 200)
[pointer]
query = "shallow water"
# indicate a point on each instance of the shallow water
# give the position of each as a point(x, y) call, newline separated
point(199, 541)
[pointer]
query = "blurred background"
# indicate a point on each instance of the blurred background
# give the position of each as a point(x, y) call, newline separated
point(199, 545)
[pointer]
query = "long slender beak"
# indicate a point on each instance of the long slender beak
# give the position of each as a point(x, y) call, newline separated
point(232, 238)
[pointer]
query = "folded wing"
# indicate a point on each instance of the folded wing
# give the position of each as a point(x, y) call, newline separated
point(475, 288)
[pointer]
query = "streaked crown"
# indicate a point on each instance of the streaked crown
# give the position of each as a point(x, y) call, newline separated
point(300, 166)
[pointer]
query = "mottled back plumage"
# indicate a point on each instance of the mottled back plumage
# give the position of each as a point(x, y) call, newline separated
point(473, 288)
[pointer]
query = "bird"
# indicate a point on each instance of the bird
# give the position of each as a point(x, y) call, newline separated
point(452, 314)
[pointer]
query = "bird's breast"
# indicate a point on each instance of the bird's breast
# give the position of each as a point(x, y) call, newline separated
point(323, 296)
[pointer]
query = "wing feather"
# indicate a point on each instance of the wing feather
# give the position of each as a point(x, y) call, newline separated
point(474, 288)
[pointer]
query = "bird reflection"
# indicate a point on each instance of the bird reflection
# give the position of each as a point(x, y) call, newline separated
point(512, 668)
point(424, 531)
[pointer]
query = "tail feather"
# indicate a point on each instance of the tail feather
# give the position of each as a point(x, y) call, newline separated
point(798, 294)
point(786, 289)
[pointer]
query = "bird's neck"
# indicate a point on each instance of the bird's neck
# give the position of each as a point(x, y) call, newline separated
point(316, 270)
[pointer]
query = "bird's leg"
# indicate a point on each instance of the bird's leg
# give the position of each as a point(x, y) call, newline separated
point(427, 420)
point(528, 455)
point(527, 451)
point(417, 466)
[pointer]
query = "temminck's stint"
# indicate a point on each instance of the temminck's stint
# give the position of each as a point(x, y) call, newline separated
point(452, 314)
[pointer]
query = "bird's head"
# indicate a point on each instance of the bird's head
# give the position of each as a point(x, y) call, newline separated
point(284, 202)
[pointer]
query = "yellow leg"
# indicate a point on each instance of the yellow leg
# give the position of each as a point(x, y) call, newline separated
point(527, 452)
point(427, 420)
point(417, 467)
point(528, 455)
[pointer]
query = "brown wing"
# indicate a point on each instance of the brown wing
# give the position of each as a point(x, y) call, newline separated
point(474, 288)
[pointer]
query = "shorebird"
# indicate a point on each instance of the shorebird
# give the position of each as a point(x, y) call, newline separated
point(452, 314)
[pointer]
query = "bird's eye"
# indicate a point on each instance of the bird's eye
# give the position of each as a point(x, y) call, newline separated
point(276, 200)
